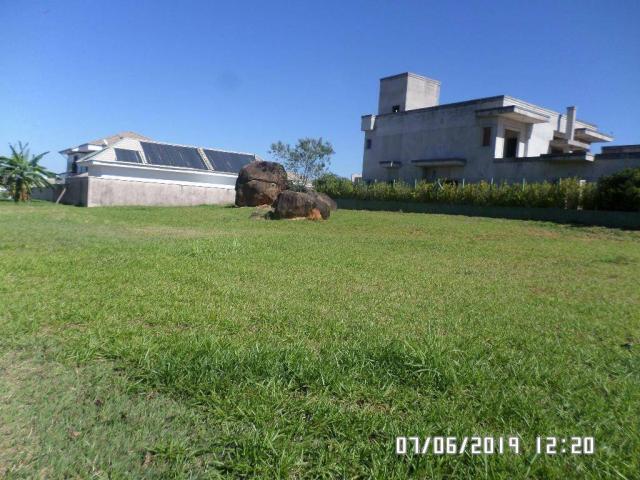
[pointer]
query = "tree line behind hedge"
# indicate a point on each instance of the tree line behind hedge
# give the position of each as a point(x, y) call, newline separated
point(620, 191)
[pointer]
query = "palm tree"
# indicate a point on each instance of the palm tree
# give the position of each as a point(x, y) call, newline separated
point(21, 171)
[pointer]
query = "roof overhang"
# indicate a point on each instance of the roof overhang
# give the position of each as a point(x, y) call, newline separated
point(84, 148)
point(440, 162)
point(591, 136)
point(513, 112)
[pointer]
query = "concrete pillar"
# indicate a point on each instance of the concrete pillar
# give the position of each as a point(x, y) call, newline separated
point(571, 122)
point(527, 137)
point(498, 146)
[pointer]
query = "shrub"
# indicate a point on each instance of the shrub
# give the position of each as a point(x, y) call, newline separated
point(620, 191)
point(568, 193)
point(334, 186)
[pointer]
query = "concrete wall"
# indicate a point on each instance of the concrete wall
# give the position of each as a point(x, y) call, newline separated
point(118, 183)
point(110, 191)
point(89, 191)
point(74, 192)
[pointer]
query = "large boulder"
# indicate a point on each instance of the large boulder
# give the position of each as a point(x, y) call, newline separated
point(292, 204)
point(260, 183)
point(323, 197)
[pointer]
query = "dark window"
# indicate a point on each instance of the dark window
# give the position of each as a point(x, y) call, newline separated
point(510, 144)
point(486, 136)
point(395, 108)
point(368, 144)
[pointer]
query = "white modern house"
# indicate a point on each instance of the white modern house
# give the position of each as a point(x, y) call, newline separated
point(413, 137)
point(131, 169)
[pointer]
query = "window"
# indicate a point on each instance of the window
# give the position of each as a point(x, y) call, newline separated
point(395, 108)
point(486, 136)
point(510, 144)
point(367, 144)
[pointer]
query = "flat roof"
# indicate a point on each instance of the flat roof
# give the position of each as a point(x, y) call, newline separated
point(410, 74)
point(445, 105)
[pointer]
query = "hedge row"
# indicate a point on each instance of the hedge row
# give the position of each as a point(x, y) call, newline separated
point(618, 192)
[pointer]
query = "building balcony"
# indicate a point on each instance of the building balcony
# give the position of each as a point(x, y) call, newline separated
point(590, 135)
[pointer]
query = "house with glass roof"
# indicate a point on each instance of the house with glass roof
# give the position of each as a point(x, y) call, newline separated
point(131, 169)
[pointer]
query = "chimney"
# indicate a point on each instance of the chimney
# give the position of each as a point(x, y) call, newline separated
point(571, 122)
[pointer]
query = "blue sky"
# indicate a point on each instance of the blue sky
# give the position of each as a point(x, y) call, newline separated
point(241, 75)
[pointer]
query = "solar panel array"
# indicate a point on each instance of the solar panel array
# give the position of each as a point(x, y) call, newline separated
point(124, 155)
point(228, 161)
point(172, 155)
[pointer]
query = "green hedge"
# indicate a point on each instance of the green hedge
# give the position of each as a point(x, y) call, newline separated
point(620, 191)
point(567, 193)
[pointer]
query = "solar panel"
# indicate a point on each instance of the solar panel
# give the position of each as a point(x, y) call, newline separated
point(124, 155)
point(228, 161)
point(172, 155)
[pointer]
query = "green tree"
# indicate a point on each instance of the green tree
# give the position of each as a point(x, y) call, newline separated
point(307, 160)
point(20, 172)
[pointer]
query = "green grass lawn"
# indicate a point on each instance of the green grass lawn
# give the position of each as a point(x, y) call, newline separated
point(197, 343)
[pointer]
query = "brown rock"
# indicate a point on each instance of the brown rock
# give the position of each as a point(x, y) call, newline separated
point(323, 197)
point(314, 214)
point(260, 183)
point(292, 204)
